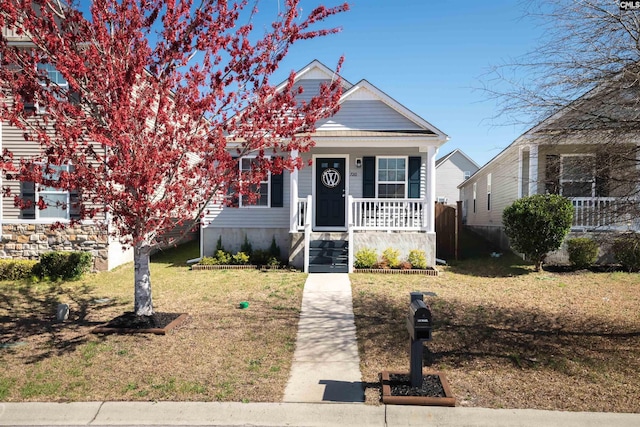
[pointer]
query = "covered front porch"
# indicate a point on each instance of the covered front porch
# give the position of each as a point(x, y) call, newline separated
point(338, 215)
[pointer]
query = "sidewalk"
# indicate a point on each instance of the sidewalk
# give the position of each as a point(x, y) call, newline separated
point(295, 414)
point(326, 365)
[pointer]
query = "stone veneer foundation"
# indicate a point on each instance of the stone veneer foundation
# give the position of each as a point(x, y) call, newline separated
point(29, 241)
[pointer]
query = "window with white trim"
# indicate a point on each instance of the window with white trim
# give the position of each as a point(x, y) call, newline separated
point(391, 178)
point(488, 192)
point(467, 175)
point(60, 204)
point(55, 81)
point(262, 189)
point(577, 175)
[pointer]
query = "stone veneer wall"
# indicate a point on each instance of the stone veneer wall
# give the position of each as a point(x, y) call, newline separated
point(28, 241)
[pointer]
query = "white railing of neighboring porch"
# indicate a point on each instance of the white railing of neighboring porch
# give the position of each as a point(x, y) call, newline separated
point(605, 213)
point(387, 214)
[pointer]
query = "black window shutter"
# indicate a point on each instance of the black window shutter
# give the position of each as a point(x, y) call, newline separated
point(552, 174)
point(369, 177)
point(74, 204)
point(414, 177)
point(28, 193)
point(277, 190)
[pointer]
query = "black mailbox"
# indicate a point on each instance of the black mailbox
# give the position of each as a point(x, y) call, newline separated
point(419, 320)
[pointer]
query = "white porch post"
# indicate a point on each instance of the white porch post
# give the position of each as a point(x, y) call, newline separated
point(293, 196)
point(533, 169)
point(430, 194)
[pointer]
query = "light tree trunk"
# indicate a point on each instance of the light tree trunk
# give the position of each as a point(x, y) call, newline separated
point(143, 305)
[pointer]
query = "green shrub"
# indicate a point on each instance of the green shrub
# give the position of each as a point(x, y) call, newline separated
point(260, 257)
point(63, 265)
point(391, 257)
point(16, 269)
point(626, 250)
point(417, 258)
point(219, 246)
point(583, 252)
point(537, 225)
point(366, 258)
point(221, 257)
point(240, 258)
point(207, 260)
point(274, 262)
point(246, 246)
point(274, 249)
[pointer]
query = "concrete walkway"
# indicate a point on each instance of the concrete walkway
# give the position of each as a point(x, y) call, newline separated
point(326, 365)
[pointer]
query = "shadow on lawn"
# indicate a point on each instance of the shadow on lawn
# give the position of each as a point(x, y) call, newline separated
point(177, 256)
point(465, 333)
point(31, 318)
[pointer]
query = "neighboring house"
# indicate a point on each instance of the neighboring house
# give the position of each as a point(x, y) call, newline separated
point(571, 154)
point(372, 183)
point(451, 170)
point(28, 233)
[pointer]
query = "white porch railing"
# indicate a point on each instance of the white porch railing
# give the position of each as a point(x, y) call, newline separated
point(372, 214)
point(387, 214)
point(604, 213)
point(300, 215)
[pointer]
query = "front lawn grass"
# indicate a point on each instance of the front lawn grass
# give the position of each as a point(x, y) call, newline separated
point(507, 337)
point(222, 353)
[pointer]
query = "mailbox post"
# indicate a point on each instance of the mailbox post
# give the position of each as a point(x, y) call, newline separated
point(419, 325)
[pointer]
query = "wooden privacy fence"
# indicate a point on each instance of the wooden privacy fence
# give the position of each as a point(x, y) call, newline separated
point(448, 231)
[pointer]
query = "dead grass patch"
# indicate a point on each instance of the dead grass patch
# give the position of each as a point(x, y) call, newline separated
point(507, 337)
point(221, 353)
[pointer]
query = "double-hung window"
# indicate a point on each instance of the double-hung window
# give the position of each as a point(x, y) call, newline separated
point(577, 176)
point(261, 189)
point(60, 204)
point(54, 82)
point(392, 178)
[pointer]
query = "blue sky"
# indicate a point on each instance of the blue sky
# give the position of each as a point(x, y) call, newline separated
point(429, 55)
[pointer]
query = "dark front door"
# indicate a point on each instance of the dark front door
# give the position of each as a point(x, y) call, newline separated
point(330, 192)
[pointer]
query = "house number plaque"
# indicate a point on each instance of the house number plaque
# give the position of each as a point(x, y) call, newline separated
point(330, 178)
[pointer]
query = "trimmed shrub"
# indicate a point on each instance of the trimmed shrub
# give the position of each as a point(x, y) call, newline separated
point(207, 260)
point(626, 250)
point(221, 257)
point(537, 225)
point(16, 269)
point(365, 258)
point(240, 258)
point(391, 257)
point(418, 258)
point(63, 265)
point(583, 252)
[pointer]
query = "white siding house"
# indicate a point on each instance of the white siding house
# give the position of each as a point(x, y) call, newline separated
point(451, 170)
point(571, 154)
point(371, 183)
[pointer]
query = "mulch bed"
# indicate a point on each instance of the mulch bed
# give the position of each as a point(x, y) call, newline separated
point(128, 323)
point(397, 390)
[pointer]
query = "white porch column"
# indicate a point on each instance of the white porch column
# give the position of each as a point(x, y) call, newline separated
point(430, 191)
point(533, 169)
point(293, 196)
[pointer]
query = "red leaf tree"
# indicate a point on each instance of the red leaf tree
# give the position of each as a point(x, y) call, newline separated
point(145, 98)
